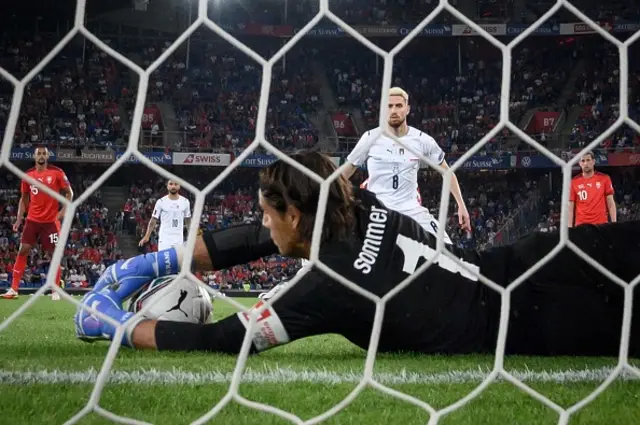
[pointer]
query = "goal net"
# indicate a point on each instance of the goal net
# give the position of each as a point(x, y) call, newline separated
point(367, 380)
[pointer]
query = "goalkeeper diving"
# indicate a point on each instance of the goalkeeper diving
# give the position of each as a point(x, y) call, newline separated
point(566, 307)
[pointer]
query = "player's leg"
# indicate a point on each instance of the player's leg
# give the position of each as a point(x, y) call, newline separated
point(568, 307)
point(49, 235)
point(428, 222)
point(28, 239)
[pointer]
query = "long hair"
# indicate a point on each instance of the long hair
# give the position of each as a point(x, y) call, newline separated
point(283, 185)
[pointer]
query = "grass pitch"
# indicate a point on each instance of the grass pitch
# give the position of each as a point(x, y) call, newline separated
point(46, 377)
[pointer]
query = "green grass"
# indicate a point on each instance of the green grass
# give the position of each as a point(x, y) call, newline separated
point(42, 339)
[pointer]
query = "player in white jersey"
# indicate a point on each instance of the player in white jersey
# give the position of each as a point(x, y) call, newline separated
point(393, 170)
point(174, 213)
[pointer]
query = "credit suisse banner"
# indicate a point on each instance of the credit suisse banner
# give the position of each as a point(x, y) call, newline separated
point(542, 161)
point(543, 121)
point(155, 157)
point(500, 162)
point(21, 154)
point(90, 156)
point(523, 160)
point(434, 30)
point(202, 159)
point(259, 161)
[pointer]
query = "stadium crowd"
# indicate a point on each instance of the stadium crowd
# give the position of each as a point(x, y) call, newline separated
point(457, 102)
point(86, 98)
point(73, 102)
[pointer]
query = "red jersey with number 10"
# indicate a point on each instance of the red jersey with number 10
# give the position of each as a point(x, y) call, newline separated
point(42, 207)
point(590, 198)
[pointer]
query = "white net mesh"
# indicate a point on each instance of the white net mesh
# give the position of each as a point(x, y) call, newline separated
point(367, 379)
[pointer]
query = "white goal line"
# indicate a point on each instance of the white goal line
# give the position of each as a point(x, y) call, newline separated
point(311, 376)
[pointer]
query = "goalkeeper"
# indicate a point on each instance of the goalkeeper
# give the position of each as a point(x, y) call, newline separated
point(565, 308)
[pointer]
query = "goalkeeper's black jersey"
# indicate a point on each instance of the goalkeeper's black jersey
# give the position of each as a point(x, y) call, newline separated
point(445, 309)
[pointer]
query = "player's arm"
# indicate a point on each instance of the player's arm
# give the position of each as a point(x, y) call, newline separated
point(300, 312)
point(23, 205)
point(611, 206)
point(153, 221)
point(214, 250)
point(66, 191)
point(611, 202)
point(455, 188)
point(572, 205)
point(434, 152)
point(358, 155)
point(187, 214)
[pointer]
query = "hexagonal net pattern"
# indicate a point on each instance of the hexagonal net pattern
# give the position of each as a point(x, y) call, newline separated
point(267, 65)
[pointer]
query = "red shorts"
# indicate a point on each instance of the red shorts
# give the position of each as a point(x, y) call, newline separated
point(47, 233)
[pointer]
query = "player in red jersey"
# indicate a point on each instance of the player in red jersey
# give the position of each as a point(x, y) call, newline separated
point(591, 195)
point(43, 217)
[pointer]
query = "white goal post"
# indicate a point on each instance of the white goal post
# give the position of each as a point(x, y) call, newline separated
point(367, 379)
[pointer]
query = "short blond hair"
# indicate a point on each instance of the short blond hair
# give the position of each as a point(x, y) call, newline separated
point(397, 91)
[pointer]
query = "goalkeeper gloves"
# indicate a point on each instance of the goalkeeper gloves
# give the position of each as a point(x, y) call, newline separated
point(89, 327)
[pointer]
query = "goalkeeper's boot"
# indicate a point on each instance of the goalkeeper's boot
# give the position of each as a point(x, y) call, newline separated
point(11, 294)
point(90, 327)
point(126, 277)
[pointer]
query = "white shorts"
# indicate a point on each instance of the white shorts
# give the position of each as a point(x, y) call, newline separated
point(428, 222)
point(166, 244)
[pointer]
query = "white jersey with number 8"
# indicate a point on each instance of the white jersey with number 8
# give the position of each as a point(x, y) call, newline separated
point(393, 170)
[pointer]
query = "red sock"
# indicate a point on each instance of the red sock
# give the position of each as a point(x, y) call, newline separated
point(57, 282)
point(18, 271)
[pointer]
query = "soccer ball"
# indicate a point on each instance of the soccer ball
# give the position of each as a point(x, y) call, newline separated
point(183, 301)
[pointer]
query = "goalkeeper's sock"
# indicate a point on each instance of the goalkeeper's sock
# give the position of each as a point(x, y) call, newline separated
point(132, 274)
